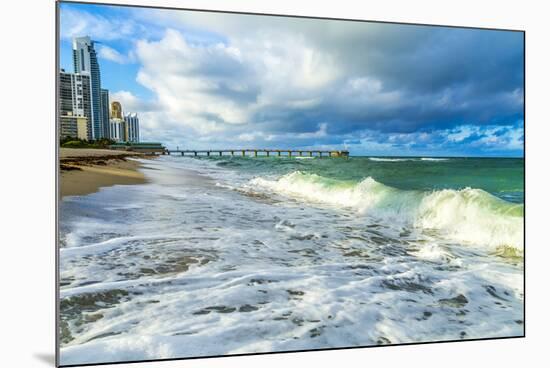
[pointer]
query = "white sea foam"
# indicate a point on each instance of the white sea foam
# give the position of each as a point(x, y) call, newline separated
point(402, 159)
point(283, 263)
point(387, 159)
point(468, 215)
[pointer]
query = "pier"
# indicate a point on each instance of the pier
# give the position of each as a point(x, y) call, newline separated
point(260, 153)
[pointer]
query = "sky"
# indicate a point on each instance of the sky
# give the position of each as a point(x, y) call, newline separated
point(203, 80)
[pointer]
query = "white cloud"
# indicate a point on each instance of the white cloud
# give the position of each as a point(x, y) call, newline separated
point(75, 23)
point(460, 133)
point(131, 103)
point(516, 138)
point(211, 87)
point(502, 138)
point(178, 73)
point(491, 137)
point(111, 54)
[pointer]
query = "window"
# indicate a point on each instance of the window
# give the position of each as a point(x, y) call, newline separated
point(82, 59)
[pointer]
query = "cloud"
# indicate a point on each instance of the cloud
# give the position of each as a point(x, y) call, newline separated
point(75, 23)
point(200, 86)
point(109, 53)
point(322, 132)
point(464, 140)
point(131, 103)
point(219, 78)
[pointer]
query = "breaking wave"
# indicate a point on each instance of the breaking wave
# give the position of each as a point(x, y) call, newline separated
point(470, 216)
point(388, 159)
point(385, 159)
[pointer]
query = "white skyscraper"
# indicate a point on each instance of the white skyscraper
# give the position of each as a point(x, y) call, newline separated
point(132, 127)
point(85, 63)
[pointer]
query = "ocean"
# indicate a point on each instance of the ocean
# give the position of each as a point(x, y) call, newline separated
point(229, 255)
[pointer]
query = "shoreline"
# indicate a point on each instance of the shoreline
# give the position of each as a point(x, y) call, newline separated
point(84, 170)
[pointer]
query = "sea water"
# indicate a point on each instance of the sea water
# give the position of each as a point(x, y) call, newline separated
point(228, 255)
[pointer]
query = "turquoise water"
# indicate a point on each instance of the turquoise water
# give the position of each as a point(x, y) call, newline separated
point(502, 177)
point(477, 201)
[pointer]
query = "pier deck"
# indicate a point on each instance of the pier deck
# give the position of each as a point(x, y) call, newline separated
point(260, 152)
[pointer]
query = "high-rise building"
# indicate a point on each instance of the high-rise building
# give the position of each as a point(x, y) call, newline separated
point(105, 112)
point(74, 94)
point(85, 63)
point(132, 127)
point(74, 102)
point(65, 93)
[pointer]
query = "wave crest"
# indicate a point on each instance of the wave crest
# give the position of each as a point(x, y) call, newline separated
point(387, 159)
point(468, 215)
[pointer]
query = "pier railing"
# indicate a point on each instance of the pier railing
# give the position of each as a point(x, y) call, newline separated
point(260, 152)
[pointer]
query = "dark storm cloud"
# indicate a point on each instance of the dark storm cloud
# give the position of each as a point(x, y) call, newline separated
point(443, 78)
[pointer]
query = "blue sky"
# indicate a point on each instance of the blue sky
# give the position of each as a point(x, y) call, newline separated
point(207, 80)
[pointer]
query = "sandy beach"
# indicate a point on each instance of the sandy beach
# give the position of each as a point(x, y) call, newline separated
point(84, 171)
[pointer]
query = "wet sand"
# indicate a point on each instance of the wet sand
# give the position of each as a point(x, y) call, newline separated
point(84, 171)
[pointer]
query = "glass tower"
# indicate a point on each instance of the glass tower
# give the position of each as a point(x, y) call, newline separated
point(85, 63)
point(105, 112)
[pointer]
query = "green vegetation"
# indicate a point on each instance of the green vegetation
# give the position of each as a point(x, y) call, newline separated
point(72, 142)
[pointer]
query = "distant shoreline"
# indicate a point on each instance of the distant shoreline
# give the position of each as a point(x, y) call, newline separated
point(85, 171)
